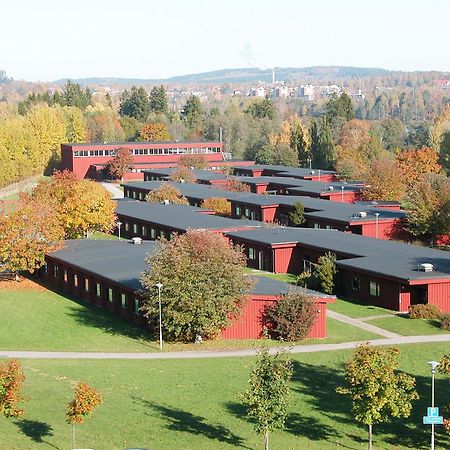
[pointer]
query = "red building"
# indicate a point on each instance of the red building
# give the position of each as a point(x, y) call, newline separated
point(372, 271)
point(107, 274)
point(88, 160)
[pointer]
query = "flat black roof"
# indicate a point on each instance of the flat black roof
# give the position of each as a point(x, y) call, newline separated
point(290, 171)
point(199, 174)
point(378, 256)
point(314, 207)
point(180, 217)
point(123, 263)
point(97, 144)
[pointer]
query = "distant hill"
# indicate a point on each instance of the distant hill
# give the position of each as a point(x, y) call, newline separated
point(247, 75)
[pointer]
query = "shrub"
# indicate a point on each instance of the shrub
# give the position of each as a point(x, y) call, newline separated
point(323, 274)
point(445, 322)
point(424, 312)
point(291, 318)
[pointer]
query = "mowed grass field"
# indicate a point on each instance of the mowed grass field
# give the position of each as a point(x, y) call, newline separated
point(193, 404)
point(40, 319)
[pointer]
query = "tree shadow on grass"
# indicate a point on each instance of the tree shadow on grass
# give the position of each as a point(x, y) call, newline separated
point(318, 386)
point(184, 421)
point(35, 430)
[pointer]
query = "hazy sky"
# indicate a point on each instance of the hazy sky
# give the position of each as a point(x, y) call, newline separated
point(52, 39)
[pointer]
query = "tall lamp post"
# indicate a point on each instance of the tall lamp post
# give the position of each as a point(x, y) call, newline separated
point(159, 286)
point(433, 365)
point(342, 194)
point(376, 225)
point(309, 161)
point(119, 224)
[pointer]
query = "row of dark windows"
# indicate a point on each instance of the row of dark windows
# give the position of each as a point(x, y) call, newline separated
point(91, 286)
point(149, 151)
point(374, 287)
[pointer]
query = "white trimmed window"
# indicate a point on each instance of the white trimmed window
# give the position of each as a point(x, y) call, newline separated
point(374, 289)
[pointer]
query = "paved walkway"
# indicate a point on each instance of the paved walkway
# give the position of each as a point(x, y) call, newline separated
point(222, 353)
point(360, 324)
point(115, 191)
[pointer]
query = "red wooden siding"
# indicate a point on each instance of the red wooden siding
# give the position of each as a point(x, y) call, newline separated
point(439, 295)
point(248, 325)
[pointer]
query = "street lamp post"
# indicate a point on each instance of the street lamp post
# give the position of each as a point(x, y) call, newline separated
point(319, 174)
point(376, 225)
point(433, 365)
point(159, 286)
point(309, 161)
point(342, 194)
point(119, 224)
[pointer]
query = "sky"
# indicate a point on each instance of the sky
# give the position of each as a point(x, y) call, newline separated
point(45, 40)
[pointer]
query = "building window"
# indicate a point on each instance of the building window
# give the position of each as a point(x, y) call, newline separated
point(75, 280)
point(127, 226)
point(65, 275)
point(238, 211)
point(135, 228)
point(355, 284)
point(136, 306)
point(98, 290)
point(317, 225)
point(251, 253)
point(152, 233)
point(123, 300)
point(374, 289)
point(144, 230)
point(110, 295)
point(55, 271)
point(86, 285)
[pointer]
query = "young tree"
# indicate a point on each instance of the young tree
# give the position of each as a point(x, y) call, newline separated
point(158, 100)
point(323, 274)
point(234, 185)
point(27, 235)
point(267, 398)
point(300, 140)
point(193, 161)
point(221, 206)
point(82, 406)
point(182, 175)
point(154, 132)
point(135, 104)
point(204, 285)
point(322, 147)
point(292, 317)
point(378, 391)
point(297, 215)
point(120, 164)
point(167, 192)
point(11, 382)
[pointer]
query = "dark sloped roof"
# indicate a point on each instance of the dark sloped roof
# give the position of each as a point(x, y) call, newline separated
point(180, 217)
point(199, 174)
point(285, 170)
point(388, 258)
point(123, 263)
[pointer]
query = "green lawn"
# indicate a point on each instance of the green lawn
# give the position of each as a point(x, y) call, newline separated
point(56, 323)
point(98, 235)
point(194, 405)
point(357, 310)
point(408, 327)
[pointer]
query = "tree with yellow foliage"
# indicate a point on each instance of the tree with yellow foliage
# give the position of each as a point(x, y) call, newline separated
point(154, 132)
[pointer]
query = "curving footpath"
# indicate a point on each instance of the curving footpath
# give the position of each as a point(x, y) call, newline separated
point(222, 353)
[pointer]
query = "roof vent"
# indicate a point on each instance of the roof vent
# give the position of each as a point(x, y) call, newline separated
point(362, 214)
point(166, 202)
point(312, 172)
point(330, 188)
point(426, 267)
point(136, 240)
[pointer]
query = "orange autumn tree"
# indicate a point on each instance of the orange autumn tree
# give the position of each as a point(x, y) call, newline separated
point(27, 235)
point(81, 407)
point(166, 192)
point(219, 205)
point(82, 206)
point(154, 132)
point(414, 164)
point(11, 382)
point(193, 161)
point(182, 175)
point(119, 164)
point(445, 368)
point(234, 185)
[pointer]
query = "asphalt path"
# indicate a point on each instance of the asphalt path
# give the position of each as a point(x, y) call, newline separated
point(199, 354)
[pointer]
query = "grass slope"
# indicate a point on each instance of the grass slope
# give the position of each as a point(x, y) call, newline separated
point(193, 405)
point(409, 327)
point(357, 310)
point(44, 320)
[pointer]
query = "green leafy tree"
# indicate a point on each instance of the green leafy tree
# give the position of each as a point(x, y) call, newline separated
point(378, 391)
point(158, 100)
point(297, 215)
point(192, 114)
point(323, 274)
point(166, 193)
point(322, 147)
point(204, 285)
point(339, 106)
point(300, 141)
point(135, 103)
point(429, 208)
point(291, 317)
point(130, 127)
point(267, 398)
point(419, 135)
point(76, 127)
point(261, 108)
